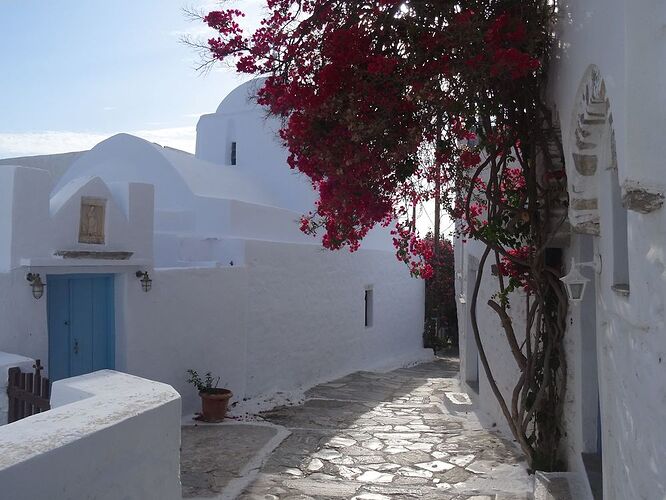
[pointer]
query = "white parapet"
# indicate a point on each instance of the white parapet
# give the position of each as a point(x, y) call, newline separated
point(109, 435)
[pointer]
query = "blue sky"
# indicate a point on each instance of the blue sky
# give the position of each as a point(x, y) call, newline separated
point(77, 71)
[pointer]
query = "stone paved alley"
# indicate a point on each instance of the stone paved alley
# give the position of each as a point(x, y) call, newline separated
point(409, 433)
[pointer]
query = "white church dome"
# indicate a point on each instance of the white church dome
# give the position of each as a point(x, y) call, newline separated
point(178, 176)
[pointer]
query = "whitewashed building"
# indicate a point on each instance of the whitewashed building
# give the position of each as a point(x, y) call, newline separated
point(608, 90)
point(236, 288)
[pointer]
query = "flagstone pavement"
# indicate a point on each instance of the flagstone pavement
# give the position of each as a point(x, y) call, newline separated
point(409, 433)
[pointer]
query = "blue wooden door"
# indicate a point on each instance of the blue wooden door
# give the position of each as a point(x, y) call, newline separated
point(81, 324)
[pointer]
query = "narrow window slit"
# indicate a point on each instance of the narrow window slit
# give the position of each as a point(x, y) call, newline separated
point(368, 307)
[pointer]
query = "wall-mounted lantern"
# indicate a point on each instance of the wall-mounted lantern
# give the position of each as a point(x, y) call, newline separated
point(146, 282)
point(37, 285)
point(575, 283)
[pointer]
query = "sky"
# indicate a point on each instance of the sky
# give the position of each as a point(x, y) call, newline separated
point(77, 71)
point(74, 72)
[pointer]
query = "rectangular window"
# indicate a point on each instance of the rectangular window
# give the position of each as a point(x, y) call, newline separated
point(233, 153)
point(368, 307)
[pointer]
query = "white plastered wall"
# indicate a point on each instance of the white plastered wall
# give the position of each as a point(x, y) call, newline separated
point(292, 317)
point(287, 314)
point(24, 216)
point(468, 259)
point(31, 232)
point(625, 41)
point(108, 435)
point(259, 151)
point(128, 221)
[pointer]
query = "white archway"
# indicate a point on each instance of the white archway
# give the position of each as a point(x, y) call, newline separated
point(597, 200)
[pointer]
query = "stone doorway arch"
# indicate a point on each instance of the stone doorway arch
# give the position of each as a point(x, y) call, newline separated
point(591, 119)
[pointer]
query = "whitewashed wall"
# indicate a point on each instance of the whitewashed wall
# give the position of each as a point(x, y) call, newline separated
point(291, 317)
point(24, 214)
point(128, 220)
point(23, 329)
point(108, 436)
point(625, 41)
point(34, 225)
point(259, 151)
point(502, 363)
point(294, 316)
point(285, 315)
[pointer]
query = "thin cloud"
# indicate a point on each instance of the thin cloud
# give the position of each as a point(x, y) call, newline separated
point(184, 138)
point(195, 31)
point(46, 142)
point(52, 142)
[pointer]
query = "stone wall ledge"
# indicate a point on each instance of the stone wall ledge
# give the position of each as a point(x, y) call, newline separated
point(108, 435)
point(81, 406)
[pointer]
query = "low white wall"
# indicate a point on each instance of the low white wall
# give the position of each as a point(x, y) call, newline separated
point(109, 435)
point(291, 317)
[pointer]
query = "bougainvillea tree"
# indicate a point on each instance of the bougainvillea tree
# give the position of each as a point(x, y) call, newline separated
point(440, 297)
point(388, 103)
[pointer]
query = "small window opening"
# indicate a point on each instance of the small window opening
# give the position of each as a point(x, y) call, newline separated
point(233, 153)
point(368, 307)
point(553, 256)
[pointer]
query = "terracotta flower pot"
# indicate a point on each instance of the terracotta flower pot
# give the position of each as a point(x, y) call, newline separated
point(214, 404)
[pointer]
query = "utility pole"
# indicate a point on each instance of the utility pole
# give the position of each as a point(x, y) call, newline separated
point(414, 216)
point(438, 186)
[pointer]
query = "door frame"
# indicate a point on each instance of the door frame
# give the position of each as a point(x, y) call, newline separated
point(110, 318)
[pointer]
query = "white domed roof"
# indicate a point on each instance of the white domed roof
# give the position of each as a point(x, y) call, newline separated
point(237, 100)
point(177, 176)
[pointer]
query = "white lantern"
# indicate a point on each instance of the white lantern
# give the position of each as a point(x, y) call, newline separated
point(146, 282)
point(575, 283)
point(37, 285)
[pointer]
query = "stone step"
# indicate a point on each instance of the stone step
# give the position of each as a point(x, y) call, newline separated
point(594, 121)
point(597, 108)
point(585, 164)
point(560, 486)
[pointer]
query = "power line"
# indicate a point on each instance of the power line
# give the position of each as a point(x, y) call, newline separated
point(423, 210)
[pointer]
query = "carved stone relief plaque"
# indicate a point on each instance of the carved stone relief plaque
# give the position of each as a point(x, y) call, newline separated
point(91, 225)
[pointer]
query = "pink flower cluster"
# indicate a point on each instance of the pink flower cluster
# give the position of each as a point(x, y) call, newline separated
point(362, 86)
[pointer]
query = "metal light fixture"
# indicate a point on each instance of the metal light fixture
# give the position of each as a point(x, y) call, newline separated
point(146, 282)
point(36, 284)
point(575, 283)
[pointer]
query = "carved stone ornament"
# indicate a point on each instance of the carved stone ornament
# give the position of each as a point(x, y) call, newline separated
point(87, 254)
point(91, 224)
point(640, 198)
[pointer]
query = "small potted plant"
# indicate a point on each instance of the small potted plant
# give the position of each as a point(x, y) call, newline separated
point(214, 401)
